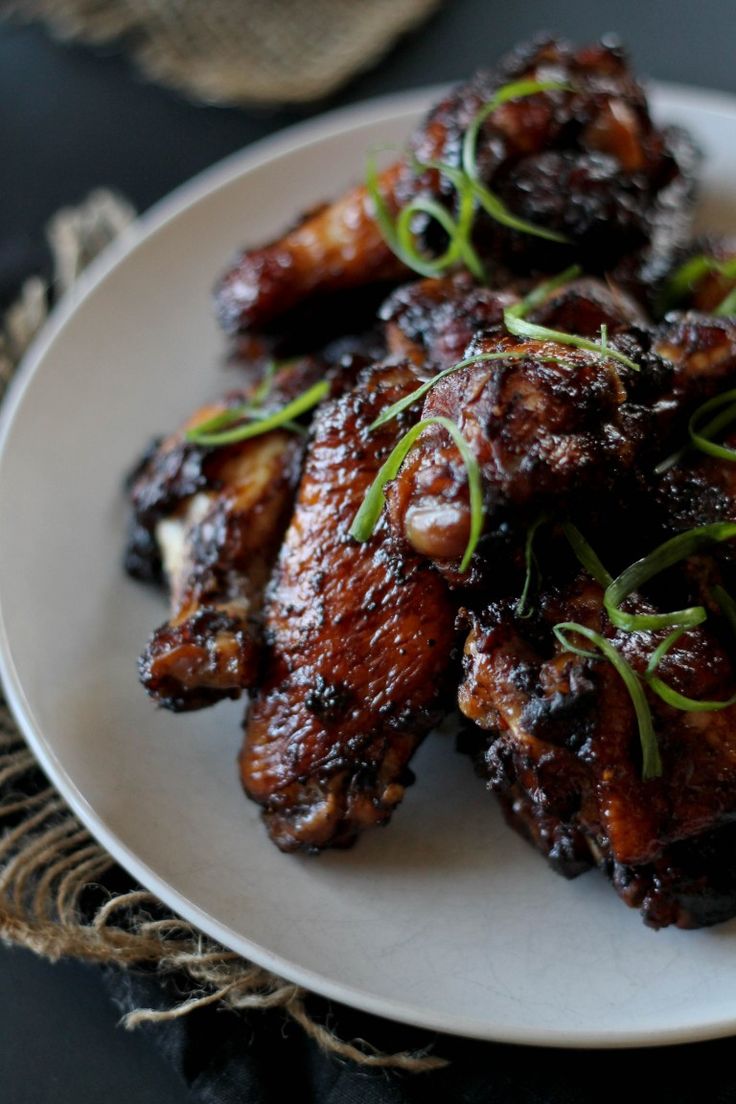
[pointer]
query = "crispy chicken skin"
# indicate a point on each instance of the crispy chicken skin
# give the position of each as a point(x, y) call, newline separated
point(554, 421)
point(218, 553)
point(359, 643)
point(563, 744)
point(699, 490)
point(432, 322)
point(211, 522)
point(587, 163)
point(338, 246)
point(702, 349)
point(560, 421)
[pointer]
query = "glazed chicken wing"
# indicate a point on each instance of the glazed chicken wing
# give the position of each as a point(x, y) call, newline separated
point(211, 522)
point(433, 322)
point(584, 161)
point(359, 643)
point(553, 423)
point(544, 423)
point(563, 752)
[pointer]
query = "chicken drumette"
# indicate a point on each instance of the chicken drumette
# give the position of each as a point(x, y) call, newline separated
point(583, 160)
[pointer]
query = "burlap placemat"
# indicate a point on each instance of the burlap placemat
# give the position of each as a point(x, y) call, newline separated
point(61, 894)
point(239, 51)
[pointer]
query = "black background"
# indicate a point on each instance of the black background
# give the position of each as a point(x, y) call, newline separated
point(73, 118)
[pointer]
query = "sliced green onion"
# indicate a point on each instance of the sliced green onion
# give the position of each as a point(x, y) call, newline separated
point(673, 697)
point(651, 761)
point(701, 435)
point(586, 555)
point(530, 561)
point(459, 230)
point(489, 202)
point(407, 249)
point(684, 278)
point(399, 234)
point(671, 460)
point(726, 604)
point(519, 327)
point(515, 90)
point(263, 389)
point(208, 433)
point(499, 212)
point(666, 555)
point(381, 211)
point(398, 407)
point(542, 291)
point(226, 418)
point(661, 650)
point(728, 305)
point(366, 519)
point(458, 246)
point(687, 705)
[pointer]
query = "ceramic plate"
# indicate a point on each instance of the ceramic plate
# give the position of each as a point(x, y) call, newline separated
point(445, 919)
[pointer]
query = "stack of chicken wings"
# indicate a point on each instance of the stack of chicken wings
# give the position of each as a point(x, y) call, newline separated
point(478, 459)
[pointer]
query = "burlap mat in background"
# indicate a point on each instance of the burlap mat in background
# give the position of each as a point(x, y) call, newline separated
point(61, 894)
point(239, 51)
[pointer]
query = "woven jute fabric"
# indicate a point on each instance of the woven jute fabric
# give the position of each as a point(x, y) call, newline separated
point(239, 51)
point(60, 891)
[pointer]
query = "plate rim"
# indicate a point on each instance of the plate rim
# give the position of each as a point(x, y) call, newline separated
point(146, 226)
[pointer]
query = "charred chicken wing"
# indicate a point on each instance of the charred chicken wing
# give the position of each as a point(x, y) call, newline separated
point(582, 159)
point(359, 643)
point(563, 752)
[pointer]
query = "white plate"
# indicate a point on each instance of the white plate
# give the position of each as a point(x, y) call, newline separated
point(446, 919)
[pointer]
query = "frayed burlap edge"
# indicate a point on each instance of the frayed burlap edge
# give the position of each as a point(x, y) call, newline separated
point(239, 51)
point(49, 863)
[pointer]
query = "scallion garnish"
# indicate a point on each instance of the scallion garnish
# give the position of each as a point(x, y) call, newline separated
point(460, 248)
point(666, 555)
point(687, 705)
point(515, 321)
point(701, 435)
point(519, 327)
point(585, 554)
point(530, 562)
point(263, 390)
point(399, 233)
point(534, 299)
point(490, 202)
point(213, 433)
point(673, 697)
point(728, 305)
point(651, 761)
point(542, 291)
point(398, 407)
point(726, 604)
point(366, 519)
point(683, 280)
point(515, 90)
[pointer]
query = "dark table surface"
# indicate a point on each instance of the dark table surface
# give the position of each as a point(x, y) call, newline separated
point(72, 119)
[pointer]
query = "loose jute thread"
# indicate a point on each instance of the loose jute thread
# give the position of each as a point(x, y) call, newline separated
point(50, 866)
